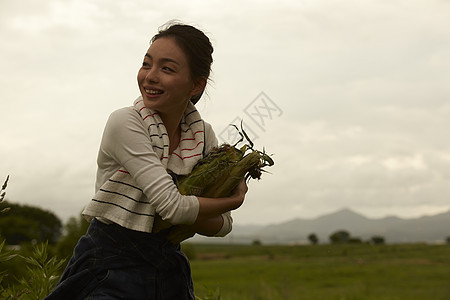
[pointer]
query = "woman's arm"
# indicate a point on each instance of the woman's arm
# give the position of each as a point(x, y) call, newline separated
point(127, 142)
point(213, 207)
point(210, 226)
point(217, 225)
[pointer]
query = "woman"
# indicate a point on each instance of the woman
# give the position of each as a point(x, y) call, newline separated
point(126, 254)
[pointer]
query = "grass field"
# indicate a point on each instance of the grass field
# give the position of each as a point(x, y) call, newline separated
point(409, 271)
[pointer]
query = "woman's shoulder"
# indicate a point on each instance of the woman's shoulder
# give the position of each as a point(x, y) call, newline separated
point(123, 121)
point(124, 115)
point(208, 127)
point(210, 137)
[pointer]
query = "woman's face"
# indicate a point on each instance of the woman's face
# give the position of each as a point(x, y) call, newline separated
point(164, 79)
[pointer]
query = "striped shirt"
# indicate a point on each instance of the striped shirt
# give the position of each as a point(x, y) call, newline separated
point(133, 184)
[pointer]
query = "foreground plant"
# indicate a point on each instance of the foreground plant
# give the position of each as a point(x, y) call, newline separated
point(44, 271)
point(3, 194)
point(5, 254)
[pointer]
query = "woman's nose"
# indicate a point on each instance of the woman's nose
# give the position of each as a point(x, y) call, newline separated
point(152, 75)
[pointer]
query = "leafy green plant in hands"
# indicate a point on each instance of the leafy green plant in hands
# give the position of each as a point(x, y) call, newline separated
point(217, 175)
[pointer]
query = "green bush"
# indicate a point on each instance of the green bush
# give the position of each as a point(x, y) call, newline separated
point(23, 223)
point(43, 271)
point(73, 230)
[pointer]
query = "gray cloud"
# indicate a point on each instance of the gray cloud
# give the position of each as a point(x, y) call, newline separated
point(363, 87)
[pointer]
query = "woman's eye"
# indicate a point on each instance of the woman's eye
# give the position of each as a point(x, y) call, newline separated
point(167, 69)
point(145, 64)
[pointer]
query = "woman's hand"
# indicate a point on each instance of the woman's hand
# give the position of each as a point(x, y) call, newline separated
point(209, 221)
point(207, 227)
point(239, 193)
point(213, 207)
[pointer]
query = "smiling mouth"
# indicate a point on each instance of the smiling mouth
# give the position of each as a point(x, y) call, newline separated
point(153, 92)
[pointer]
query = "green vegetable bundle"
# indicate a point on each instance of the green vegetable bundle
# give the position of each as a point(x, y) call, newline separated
point(217, 174)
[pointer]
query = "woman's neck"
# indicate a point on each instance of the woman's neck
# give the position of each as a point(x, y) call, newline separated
point(172, 124)
point(172, 120)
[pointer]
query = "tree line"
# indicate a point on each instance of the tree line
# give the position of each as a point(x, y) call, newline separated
point(344, 237)
point(24, 224)
point(34, 248)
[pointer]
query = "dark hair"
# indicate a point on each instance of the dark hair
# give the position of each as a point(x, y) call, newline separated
point(196, 46)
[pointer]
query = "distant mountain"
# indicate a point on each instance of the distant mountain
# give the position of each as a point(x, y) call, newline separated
point(430, 229)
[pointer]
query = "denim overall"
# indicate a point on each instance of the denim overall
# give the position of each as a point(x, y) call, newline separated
point(112, 262)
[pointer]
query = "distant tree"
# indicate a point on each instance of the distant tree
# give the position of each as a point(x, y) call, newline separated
point(340, 237)
point(313, 239)
point(23, 223)
point(256, 242)
point(448, 240)
point(377, 240)
point(73, 230)
point(354, 240)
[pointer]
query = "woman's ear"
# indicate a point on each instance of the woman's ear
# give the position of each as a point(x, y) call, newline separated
point(199, 86)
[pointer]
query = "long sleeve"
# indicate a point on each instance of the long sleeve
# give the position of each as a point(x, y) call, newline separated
point(126, 144)
point(227, 225)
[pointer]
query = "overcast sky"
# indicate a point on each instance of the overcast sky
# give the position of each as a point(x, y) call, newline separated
point(352, 98)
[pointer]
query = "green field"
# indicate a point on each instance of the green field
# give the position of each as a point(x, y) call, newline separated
point(360, 271)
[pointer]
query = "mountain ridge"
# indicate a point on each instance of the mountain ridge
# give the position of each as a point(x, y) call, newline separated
point(429, 229)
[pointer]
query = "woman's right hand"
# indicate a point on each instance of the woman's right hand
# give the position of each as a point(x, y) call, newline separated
point(213, 207)
point(239, 193)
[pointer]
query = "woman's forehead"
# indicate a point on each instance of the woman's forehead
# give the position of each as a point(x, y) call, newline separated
point(167, 49)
